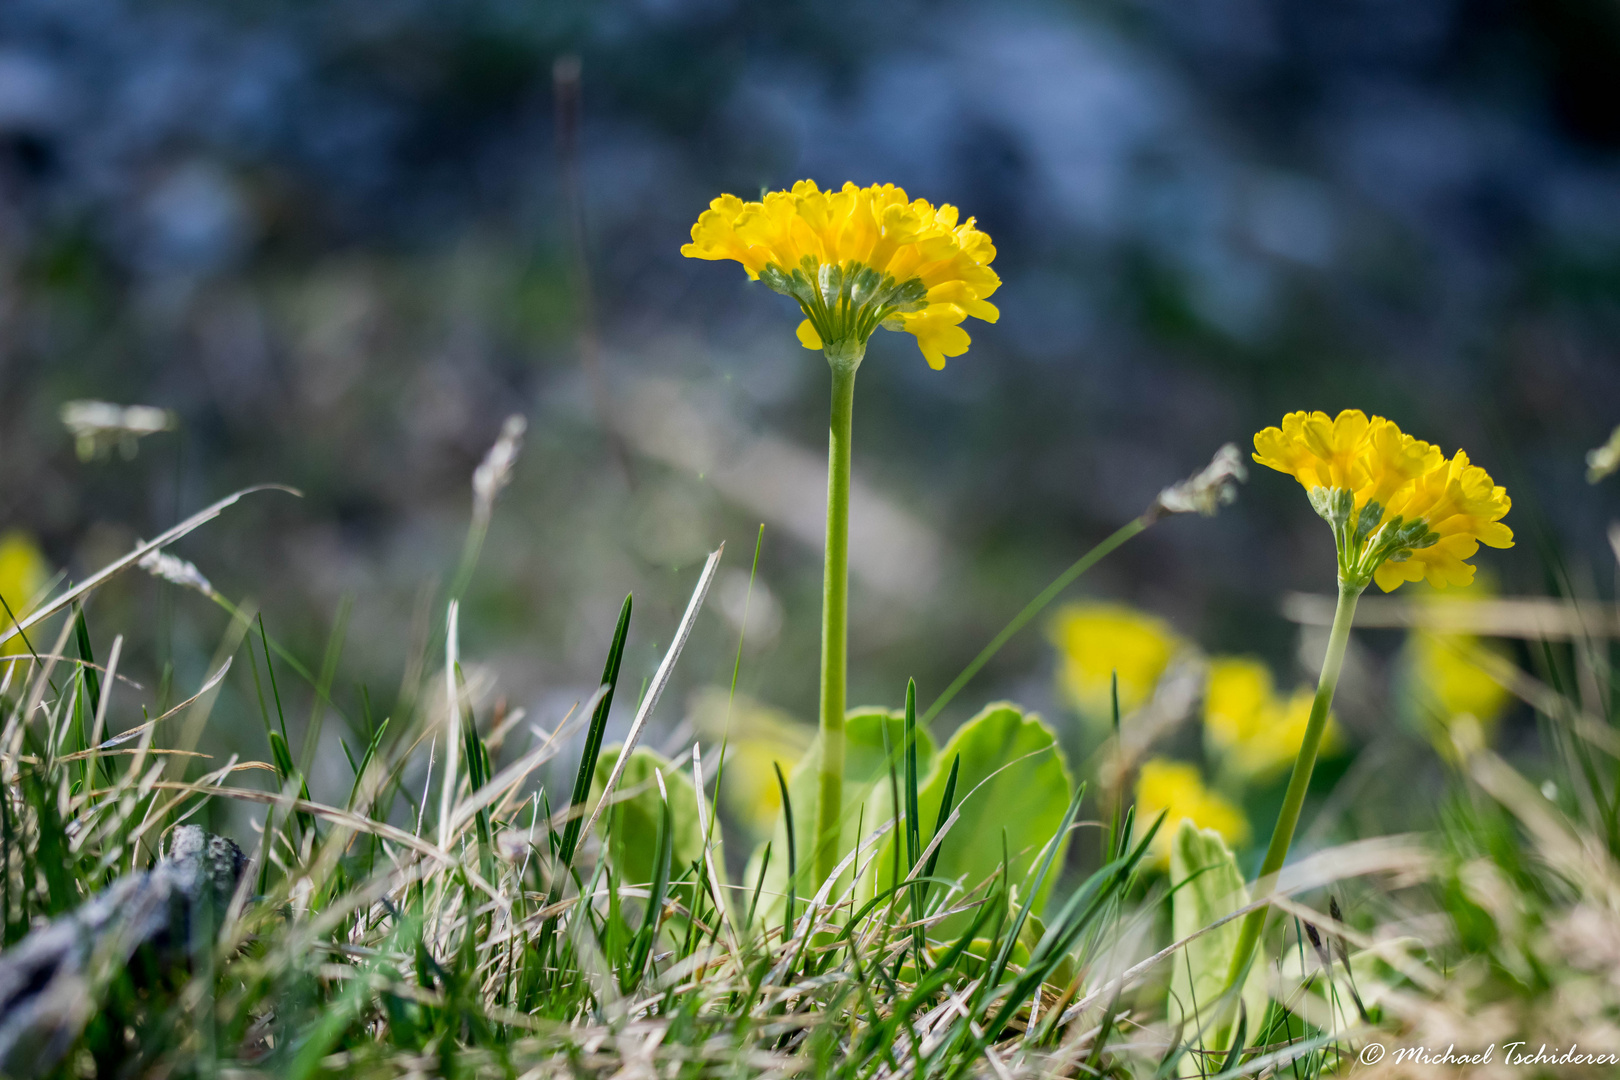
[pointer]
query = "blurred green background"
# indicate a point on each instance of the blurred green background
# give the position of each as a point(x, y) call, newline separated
point(343, 241)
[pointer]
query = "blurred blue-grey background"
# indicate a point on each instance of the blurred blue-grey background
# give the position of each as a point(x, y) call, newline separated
point(343, 240)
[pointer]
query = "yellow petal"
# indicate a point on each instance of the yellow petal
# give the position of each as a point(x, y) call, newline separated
point(808, 336)
point(983, 310)
point(1388, 576)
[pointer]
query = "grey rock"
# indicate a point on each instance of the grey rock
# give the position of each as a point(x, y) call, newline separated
point(45, 979)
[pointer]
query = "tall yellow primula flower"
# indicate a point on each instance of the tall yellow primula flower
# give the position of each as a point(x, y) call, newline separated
point(855, 259)
point(1400, 509)
point(859, 258)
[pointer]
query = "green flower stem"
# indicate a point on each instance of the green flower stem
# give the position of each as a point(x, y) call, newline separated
point(1294, 801)
point(835, 611)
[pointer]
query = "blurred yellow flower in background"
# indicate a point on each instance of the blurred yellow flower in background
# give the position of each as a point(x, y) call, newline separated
point(1447, 673)
point(1094, 640)
point(756, 737)
point(859, 258)
point(23, 573)
point(1407, 513)
point(1450, 679)
point(1252, 731)
point(1176, 788)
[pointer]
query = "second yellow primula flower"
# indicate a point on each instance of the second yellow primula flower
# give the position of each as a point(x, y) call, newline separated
point(1400, 509)
point(859, 258)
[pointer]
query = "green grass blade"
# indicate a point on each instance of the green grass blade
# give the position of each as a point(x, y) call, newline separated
point(593, 743)
point(793, 851)
point(759, 883)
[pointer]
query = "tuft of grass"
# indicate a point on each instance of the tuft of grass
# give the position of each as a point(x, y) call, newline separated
point(387, 933)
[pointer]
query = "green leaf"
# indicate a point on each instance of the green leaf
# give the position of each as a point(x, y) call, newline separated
point(1013, 781)
point(1208, 886)
point(633, 820)
point(866, 772)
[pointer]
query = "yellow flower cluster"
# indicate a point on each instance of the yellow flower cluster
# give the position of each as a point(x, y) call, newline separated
point(1448, 673)
point(1176, 789)
point(858, 258)
point(23, 573)
point(1403, 511)
point(1095, 640)
point(1450, 678)
point(756, 737)
point(1254, 731)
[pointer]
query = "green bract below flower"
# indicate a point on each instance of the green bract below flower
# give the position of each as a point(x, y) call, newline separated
point(845, 304)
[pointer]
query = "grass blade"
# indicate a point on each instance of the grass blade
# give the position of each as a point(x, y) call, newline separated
point(593, 742)
point(793, 851)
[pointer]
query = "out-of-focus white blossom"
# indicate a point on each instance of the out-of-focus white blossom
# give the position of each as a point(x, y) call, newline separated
point(98, 426)
point(1207, 491)
point(495, 471)
point(176, 571)
point(1605, 459)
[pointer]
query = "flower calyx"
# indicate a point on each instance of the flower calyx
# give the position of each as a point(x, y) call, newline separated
point(1364, 539)
point(844, 303)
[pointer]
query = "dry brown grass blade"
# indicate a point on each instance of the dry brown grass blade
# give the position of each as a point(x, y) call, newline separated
point(660, 679)
point(708, 850)
point(195, 521)
point(100, 724)
point(346, 818)
point(96, 751)
point(23, 658)
point(124, 736)
point(1530, 617)
point(1383, 854)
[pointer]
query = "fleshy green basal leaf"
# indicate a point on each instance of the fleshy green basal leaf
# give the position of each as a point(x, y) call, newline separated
point(1208, 886)
point(1013, 781)
point(866, 776)
point(633, 821)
